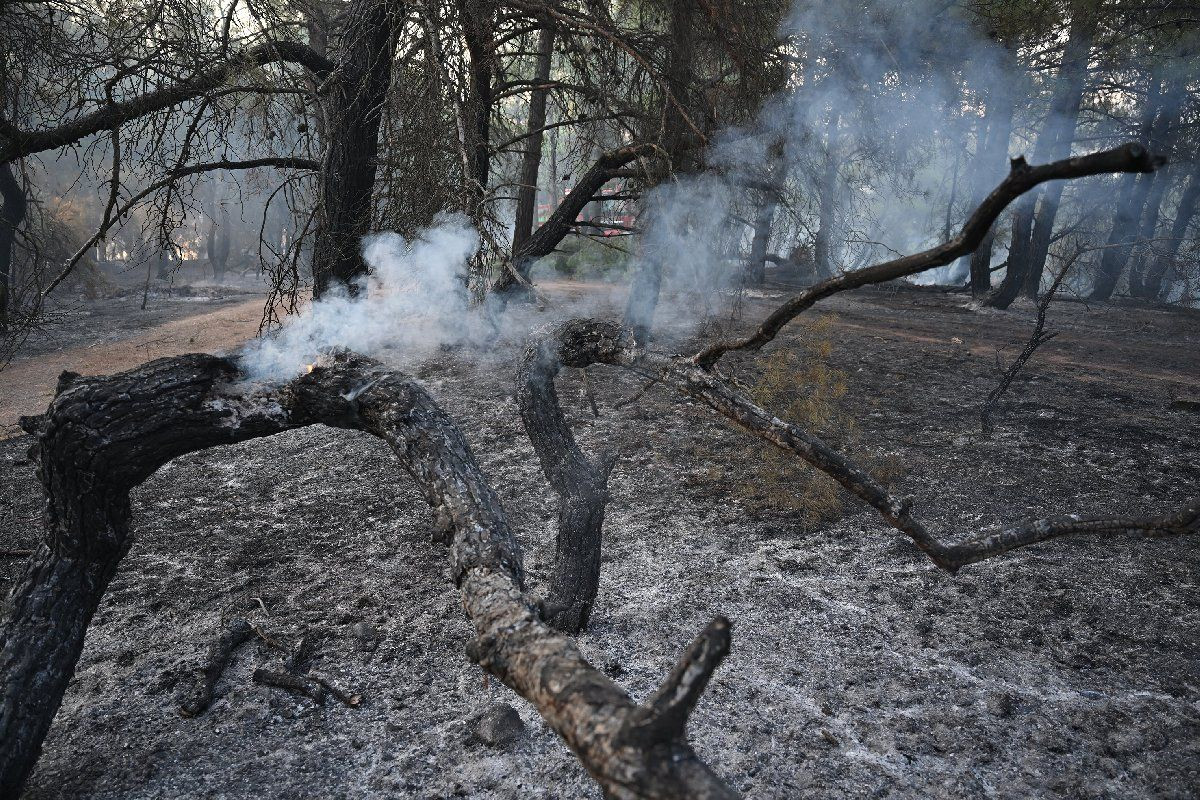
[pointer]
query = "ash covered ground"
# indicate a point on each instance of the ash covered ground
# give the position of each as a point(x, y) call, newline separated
point(858, 669)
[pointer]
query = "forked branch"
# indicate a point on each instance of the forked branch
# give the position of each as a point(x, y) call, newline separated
point(103, 436)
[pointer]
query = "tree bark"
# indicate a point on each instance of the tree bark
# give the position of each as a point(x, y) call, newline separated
point(531, 159)
point(218, 245)
point(1159, 116)
point(1149, 224)
point(1063, 113)
point(558, 224)
point(1063, 121)
point(827, 199)
point(478, 19)
point(12, 214)
point(103, 436)
point(580, 482)
point(1165, 257)
point(647, 280)
point(756, 264)
point(993, 156)
point(348, 167)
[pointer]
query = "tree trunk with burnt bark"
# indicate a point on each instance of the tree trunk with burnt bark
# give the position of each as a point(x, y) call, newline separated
point(1160, 115)
point(580, 482)
point(531, 158)
point(354, 110)
point(1054, 141)
point(1165, 256)
point(12, 214)
point(548, 235)
point(827, 199)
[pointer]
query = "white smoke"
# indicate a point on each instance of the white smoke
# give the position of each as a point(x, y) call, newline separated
point(414, 298)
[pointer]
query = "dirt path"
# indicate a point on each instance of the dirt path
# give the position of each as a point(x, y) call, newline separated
point(27, 384)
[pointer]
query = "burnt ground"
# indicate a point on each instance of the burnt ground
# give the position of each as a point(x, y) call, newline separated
point(857, 670)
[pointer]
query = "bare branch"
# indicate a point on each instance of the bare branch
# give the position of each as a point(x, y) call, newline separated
point(1022, 177)
point(20, 143)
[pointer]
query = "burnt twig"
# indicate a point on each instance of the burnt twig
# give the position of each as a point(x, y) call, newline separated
point(298, 684)
point(235, 634)
point(1039, 338)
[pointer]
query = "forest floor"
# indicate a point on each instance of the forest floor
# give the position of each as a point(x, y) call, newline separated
point(858, 669)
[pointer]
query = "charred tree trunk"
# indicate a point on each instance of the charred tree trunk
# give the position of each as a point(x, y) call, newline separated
point(993, 158)
point(1165, 257)
point(217, 244)
point(1064, 119)
point(531, 159)
point(756, 265)
point(827, 200)
point(1160, 116)
point(354, 110)
point(1149, 224)
point(1054, 141)
point(551, 232)
point(478, 19)
point(580, 482)
point(12, 214)
point(103, 436)
point(647, 280)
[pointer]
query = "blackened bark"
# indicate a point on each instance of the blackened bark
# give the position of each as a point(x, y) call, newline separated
point(100, 438)
point(551, 232)
point(580, 482)
point(1054, 141)
point(827, 199)
point(217, 244)
point(647, 279)
point(756, 265)
point(531, 159)
point(12, 214)
point(1160, 116)
point(478, 19)
point(103, 436)
point(1165, 256)
point(1139, 257)
point(354, 110)
point(1064, 120)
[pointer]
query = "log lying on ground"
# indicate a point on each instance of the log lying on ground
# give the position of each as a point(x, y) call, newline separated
point(103, 436)
point(580, 482)
point(685, 376)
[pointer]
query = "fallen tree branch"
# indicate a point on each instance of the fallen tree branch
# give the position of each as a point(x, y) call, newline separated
point(234, 635)
point(723, 396)
point(1021, 178)
point(103, 436)
point(297, 684)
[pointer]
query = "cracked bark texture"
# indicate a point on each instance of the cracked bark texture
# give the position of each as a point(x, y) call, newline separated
point(580, 482)
point(103, 436)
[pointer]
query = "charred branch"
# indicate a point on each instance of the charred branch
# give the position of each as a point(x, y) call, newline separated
point(547, 236)
point(237, 633)
point(580, 482)
point(19, 143)
point(102, 436)
point(1131, 158)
